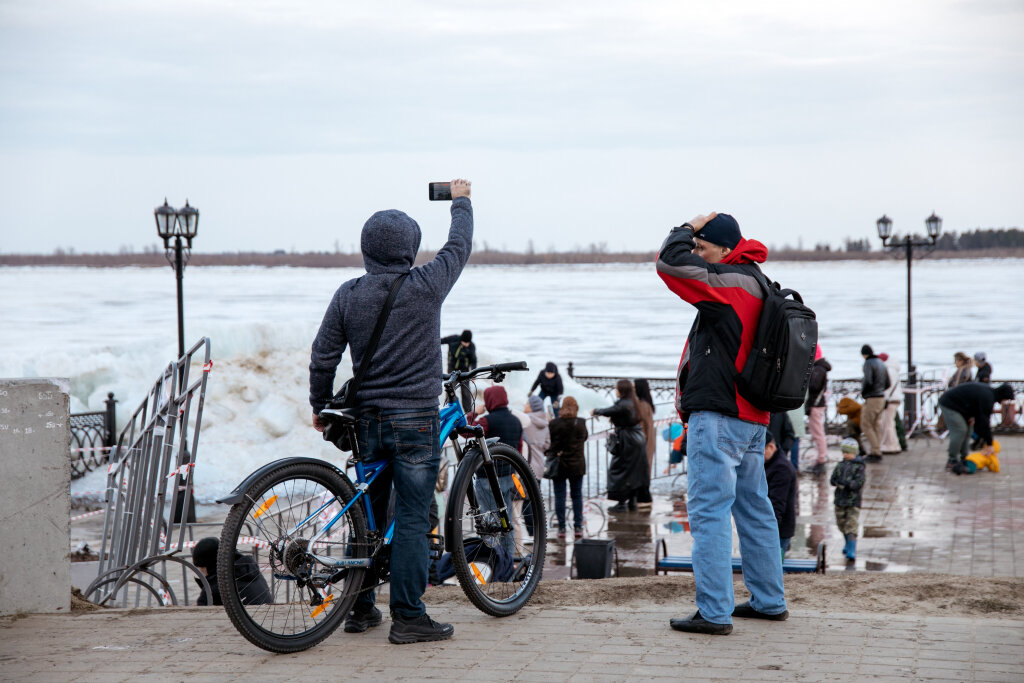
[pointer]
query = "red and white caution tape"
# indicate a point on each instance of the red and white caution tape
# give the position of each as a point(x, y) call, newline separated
point(87, 514)
point(183, 470)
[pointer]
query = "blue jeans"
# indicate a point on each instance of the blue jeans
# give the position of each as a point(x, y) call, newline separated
point(726, 475)
point(555, 405)
point(410, 439)
point(794, 454)
point(576, 492)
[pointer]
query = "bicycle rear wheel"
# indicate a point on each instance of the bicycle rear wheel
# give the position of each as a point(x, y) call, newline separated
point(498, 568)
point(275, 592)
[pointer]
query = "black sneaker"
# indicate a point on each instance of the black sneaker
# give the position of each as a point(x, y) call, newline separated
point(419, 630)
point(873, 458)
point(697, 624)
point(745, 611)
point(357, 622)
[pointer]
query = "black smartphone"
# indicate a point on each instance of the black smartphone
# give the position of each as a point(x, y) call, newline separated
point(440, 192)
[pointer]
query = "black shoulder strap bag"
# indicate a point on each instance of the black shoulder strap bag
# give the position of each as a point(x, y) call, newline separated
point(347, 396)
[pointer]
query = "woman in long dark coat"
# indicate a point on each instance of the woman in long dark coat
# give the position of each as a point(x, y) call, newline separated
point(628, 474)
point(568, 436)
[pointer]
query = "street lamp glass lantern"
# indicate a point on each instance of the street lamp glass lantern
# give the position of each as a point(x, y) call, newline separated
point(934, 225)
point(165, 220)
point(188, 219)
point(884, 227)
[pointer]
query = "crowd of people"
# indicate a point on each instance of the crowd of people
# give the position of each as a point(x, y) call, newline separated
point(737, 467)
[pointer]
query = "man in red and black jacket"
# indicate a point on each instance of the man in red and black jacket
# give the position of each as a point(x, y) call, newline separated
point(709, 264)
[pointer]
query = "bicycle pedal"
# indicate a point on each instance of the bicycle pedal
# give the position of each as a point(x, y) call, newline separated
point(436, 546)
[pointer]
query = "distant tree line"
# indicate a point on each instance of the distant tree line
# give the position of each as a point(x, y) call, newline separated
point(991, 242)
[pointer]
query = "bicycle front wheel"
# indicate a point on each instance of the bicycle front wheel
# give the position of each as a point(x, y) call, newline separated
point(497, 566)
point(276, 591)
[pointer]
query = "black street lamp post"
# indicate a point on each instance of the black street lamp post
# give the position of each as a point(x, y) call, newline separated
point(934, 225)
point(181, 223)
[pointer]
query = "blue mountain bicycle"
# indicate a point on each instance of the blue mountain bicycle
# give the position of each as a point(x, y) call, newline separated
point(312, 533)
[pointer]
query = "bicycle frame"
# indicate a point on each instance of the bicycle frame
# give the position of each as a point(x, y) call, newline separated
point(453, 423)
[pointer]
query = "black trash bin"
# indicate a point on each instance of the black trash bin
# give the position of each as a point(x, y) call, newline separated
point(593, 557)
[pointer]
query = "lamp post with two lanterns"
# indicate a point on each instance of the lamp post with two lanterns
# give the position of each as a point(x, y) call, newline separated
point(180, 224)
point(934, 225)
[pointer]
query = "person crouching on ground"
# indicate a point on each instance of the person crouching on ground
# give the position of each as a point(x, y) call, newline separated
point(848, 478)
point(628, 475)
point(397, 400)
point(970, 401)
point(252, 588)
point(782, 491)
point(550, 383)
point(709, 264)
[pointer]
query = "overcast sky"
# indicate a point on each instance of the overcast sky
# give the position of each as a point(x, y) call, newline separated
point(287, 123)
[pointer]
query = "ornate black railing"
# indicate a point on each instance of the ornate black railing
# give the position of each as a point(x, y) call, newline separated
point(92, 437)
point(1011, 419)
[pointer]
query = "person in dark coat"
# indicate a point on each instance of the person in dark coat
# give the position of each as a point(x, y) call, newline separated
point(984, 373)
point(782, 491)
point(645, 411)
point(814, 408)
point(461, 358)
point(500, 422)
point(780, 427)
point(848, 478)
point(970, 401)
point(550, 383)
point(627, 471)
point(568, 436)
point(252, 587)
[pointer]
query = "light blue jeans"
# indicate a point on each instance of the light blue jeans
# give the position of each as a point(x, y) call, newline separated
point(726, 475)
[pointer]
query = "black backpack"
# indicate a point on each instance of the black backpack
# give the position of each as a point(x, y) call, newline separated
point(778, 368)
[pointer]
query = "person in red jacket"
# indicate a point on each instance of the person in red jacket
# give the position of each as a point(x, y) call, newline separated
point(709, 264)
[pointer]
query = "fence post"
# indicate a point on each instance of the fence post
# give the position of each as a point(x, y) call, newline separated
point(110, 421)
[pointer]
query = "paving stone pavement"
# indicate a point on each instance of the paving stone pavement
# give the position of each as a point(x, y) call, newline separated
point(915, 517)
point(539, 644)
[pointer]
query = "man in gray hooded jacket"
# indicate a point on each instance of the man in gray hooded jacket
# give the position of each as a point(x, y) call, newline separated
point(397, 399)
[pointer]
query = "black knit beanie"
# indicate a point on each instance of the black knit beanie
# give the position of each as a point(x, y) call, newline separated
point(205, 554)
point(866, 351)
point(467, 336)
point(722, 230)
point(1004, 392)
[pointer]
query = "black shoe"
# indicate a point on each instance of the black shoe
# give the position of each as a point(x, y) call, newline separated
point(620, 507)
point(419, 630)
point(697, 624)
point(873, 458)
point(817, 469)
point(745, 611)
point(631, 505)
point(357, 622)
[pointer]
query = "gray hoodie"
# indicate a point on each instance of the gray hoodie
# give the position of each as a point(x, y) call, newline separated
point(406, 369)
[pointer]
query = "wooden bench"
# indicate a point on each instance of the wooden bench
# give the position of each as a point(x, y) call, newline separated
point(665, 563)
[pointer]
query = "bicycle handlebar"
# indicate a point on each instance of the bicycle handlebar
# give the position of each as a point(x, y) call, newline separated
point(496, 372)
point(509, 367)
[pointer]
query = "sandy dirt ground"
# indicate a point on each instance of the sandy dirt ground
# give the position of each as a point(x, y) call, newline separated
point(910, 594)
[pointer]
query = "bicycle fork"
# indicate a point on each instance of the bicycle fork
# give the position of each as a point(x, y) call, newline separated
point(492, 480)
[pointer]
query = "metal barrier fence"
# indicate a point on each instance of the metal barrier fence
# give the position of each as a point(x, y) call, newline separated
point(92, 438)
point(928, 390)
point(149, 484)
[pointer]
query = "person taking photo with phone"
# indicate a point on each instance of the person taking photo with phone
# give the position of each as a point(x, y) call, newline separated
point(397, 399)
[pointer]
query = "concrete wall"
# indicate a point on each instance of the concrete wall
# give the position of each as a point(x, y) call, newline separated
point(35, 496)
